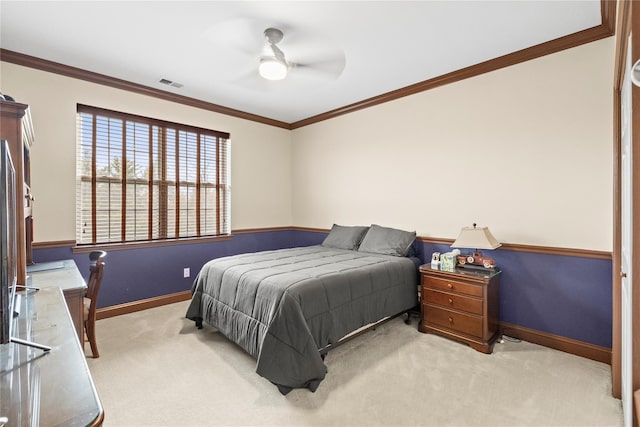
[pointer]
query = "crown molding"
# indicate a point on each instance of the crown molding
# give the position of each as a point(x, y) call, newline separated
point(78, 73)
point(605, 29)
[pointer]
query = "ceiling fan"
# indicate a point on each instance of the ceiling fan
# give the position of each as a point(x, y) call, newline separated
point(256, 58)
point(273, 65)
point(318, 61)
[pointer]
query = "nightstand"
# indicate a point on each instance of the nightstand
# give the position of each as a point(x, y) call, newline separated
point(462, 305)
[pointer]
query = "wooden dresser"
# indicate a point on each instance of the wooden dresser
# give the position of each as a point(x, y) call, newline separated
point(462, 305)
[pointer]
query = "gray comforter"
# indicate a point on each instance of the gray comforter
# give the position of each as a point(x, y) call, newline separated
point(282, 306)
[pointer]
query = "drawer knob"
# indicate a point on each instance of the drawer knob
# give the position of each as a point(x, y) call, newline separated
point(449, 285)
point(450, 301)
point(451, 320)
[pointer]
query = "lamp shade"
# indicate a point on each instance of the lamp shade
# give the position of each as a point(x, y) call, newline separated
point(476, 238)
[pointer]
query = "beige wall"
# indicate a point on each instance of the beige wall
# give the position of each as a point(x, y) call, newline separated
point(525, 150)
point(261, 154)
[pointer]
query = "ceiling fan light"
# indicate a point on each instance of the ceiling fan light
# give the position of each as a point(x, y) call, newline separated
point(272, 69)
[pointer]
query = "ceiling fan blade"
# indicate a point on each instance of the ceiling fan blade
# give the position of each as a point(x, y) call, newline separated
point(330, 68)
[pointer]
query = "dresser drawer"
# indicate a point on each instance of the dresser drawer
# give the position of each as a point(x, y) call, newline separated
point(459, 302)
point(452, 286)
point(467, 324)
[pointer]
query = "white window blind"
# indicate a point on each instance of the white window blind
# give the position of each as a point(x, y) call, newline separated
point(141, 179)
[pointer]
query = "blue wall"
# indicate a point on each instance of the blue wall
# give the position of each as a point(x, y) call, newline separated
point(136, 274)
point(562, 295)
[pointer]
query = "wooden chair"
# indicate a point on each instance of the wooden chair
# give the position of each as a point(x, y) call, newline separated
point(91, 298)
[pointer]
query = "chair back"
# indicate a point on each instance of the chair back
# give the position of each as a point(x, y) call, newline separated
point(96, 267)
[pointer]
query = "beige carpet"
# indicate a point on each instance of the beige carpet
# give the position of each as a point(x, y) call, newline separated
point(157, 369)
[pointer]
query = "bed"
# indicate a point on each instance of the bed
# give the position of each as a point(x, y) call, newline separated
point(285, 307)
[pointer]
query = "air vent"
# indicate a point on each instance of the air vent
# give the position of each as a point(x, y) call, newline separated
point(170, 83)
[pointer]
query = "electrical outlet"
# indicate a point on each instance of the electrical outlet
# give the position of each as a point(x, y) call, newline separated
point(187, 272)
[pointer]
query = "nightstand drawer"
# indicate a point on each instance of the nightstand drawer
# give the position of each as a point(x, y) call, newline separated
point(467, 324)
point(459, 302)
point(452, 286)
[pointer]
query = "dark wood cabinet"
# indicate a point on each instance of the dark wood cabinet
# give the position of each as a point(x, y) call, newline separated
point(462, 305)
point(17, 129)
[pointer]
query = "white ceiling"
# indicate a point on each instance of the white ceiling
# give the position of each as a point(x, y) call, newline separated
point(212, 47)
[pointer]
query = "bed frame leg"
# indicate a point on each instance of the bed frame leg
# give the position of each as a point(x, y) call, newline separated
point(199, 323)
point(414, 312)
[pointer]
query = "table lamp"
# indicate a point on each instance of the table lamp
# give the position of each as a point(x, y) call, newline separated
point(476, 238)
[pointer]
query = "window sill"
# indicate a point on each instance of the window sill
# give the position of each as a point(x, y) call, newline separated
point(79, 249)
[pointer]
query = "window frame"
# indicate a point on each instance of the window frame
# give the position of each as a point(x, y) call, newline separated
point(158, 231)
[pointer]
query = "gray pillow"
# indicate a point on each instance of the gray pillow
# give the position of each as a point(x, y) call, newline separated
point(387, 241)
point(343, 237)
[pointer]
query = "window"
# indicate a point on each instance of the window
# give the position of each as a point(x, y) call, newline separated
point(140, 179)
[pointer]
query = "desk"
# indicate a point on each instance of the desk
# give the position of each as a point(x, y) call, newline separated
point(46, 389)
point(65, 275)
